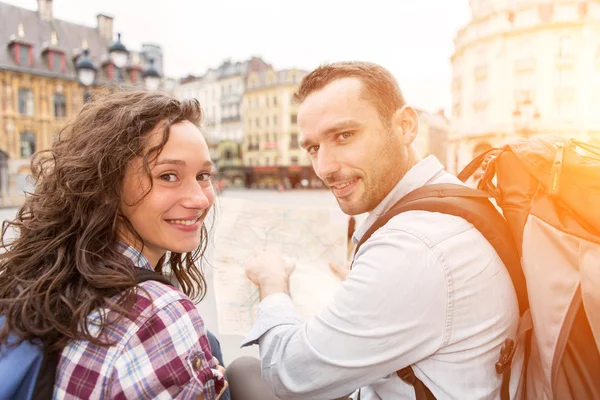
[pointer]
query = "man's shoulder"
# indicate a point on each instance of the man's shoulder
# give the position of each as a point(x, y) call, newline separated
point(431, 227)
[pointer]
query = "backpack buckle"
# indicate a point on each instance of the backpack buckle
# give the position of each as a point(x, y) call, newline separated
point(506, 355)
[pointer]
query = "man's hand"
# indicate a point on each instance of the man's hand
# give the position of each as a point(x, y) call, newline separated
point(270, 272)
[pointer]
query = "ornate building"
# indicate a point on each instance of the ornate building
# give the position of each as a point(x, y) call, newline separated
point(44, 65)
point(521, 68)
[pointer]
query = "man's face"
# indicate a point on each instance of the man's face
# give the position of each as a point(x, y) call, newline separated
point(359, 157)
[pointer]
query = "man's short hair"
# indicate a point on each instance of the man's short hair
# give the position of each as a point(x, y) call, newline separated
point(379, 85)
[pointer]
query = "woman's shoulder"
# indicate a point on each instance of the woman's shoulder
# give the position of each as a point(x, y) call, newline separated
point(163, 330)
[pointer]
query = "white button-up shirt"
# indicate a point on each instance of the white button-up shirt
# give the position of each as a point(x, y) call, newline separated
point(426, 290)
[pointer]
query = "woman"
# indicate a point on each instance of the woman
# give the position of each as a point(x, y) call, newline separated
point(127, 184)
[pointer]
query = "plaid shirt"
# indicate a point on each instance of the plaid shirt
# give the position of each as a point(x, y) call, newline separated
point(162, 353)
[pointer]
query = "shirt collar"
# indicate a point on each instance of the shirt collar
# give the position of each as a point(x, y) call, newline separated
point(136, 257)
point(421, 174)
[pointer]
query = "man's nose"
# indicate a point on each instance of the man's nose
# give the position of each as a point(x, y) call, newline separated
point(326, 163)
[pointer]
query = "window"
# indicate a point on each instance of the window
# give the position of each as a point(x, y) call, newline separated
point(274, 101)
point(294, 118)
point(267, 161)
point(27, 144)
point(257, 123)
point(565, 46)
point(525, 83)
point(26, 102)
point(525, 59)
point(294, 141)
point(294, 160)
point(60, 105)
point(118, 75)
point(23, 55)
point(274, 120)
point(482, 94)
point(56, 65)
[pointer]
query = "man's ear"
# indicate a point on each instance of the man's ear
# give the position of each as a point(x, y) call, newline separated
point(406, 121)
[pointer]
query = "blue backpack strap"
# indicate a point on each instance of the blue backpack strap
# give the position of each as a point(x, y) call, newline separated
point(20, 367)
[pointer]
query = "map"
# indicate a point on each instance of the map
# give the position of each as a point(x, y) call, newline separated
point(311, 237)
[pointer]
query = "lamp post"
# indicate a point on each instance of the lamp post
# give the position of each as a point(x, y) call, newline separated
point(86, 72)
point(118, 53)
point(151, 77)
point(525, 115)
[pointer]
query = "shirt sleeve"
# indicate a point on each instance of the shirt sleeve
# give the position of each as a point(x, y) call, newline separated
point(168, 357)
point(390, 312)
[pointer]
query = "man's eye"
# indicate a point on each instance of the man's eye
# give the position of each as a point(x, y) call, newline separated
point(312, 149)
point(345, 135)
point(168, 177)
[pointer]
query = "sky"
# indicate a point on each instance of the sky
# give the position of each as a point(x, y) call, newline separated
point(414, 39)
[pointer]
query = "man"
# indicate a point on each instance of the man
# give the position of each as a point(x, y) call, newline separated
point(427, 290)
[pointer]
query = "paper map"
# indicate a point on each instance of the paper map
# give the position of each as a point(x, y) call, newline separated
point(309, 236)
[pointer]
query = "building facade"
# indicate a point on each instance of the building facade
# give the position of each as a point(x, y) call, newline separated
point(432, 139)
point(39, 87)
point(271, 149)
point(220, 91)
point(522, 68)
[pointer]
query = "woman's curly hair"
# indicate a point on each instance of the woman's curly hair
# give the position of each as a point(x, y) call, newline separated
point(64, 262)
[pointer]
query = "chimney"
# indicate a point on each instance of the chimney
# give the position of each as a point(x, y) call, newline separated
point(105, 27)
point(45, 10)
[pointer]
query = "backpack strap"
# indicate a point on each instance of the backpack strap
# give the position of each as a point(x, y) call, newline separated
point(45, 380)
point(144, 275)
point(473, 206)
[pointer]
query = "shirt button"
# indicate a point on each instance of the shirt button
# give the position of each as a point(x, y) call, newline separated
point(197, 363)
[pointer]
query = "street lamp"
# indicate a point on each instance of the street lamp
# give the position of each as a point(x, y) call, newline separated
point(118, 53)
point(86, 70)
point(525, 114)
point(151, 77)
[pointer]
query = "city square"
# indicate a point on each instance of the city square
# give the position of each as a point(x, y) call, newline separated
point(391, 200)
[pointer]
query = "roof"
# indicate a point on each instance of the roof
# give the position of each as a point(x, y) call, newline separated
point(38, 33)
point(282, 78)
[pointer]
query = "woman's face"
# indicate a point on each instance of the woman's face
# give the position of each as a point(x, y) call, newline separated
point(171, 215)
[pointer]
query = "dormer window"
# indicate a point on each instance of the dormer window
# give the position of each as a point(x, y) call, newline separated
point(21, 49)
point(136, 76)
point(55, 57)
point(110, 71)
point(135, 70)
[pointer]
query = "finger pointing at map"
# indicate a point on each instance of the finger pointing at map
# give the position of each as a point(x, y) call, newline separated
point(270, 272)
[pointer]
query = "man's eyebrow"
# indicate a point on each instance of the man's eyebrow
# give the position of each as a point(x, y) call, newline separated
point(349, 124)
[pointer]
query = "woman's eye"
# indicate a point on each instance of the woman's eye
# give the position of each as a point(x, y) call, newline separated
point(168, 177)
point(204, 177)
